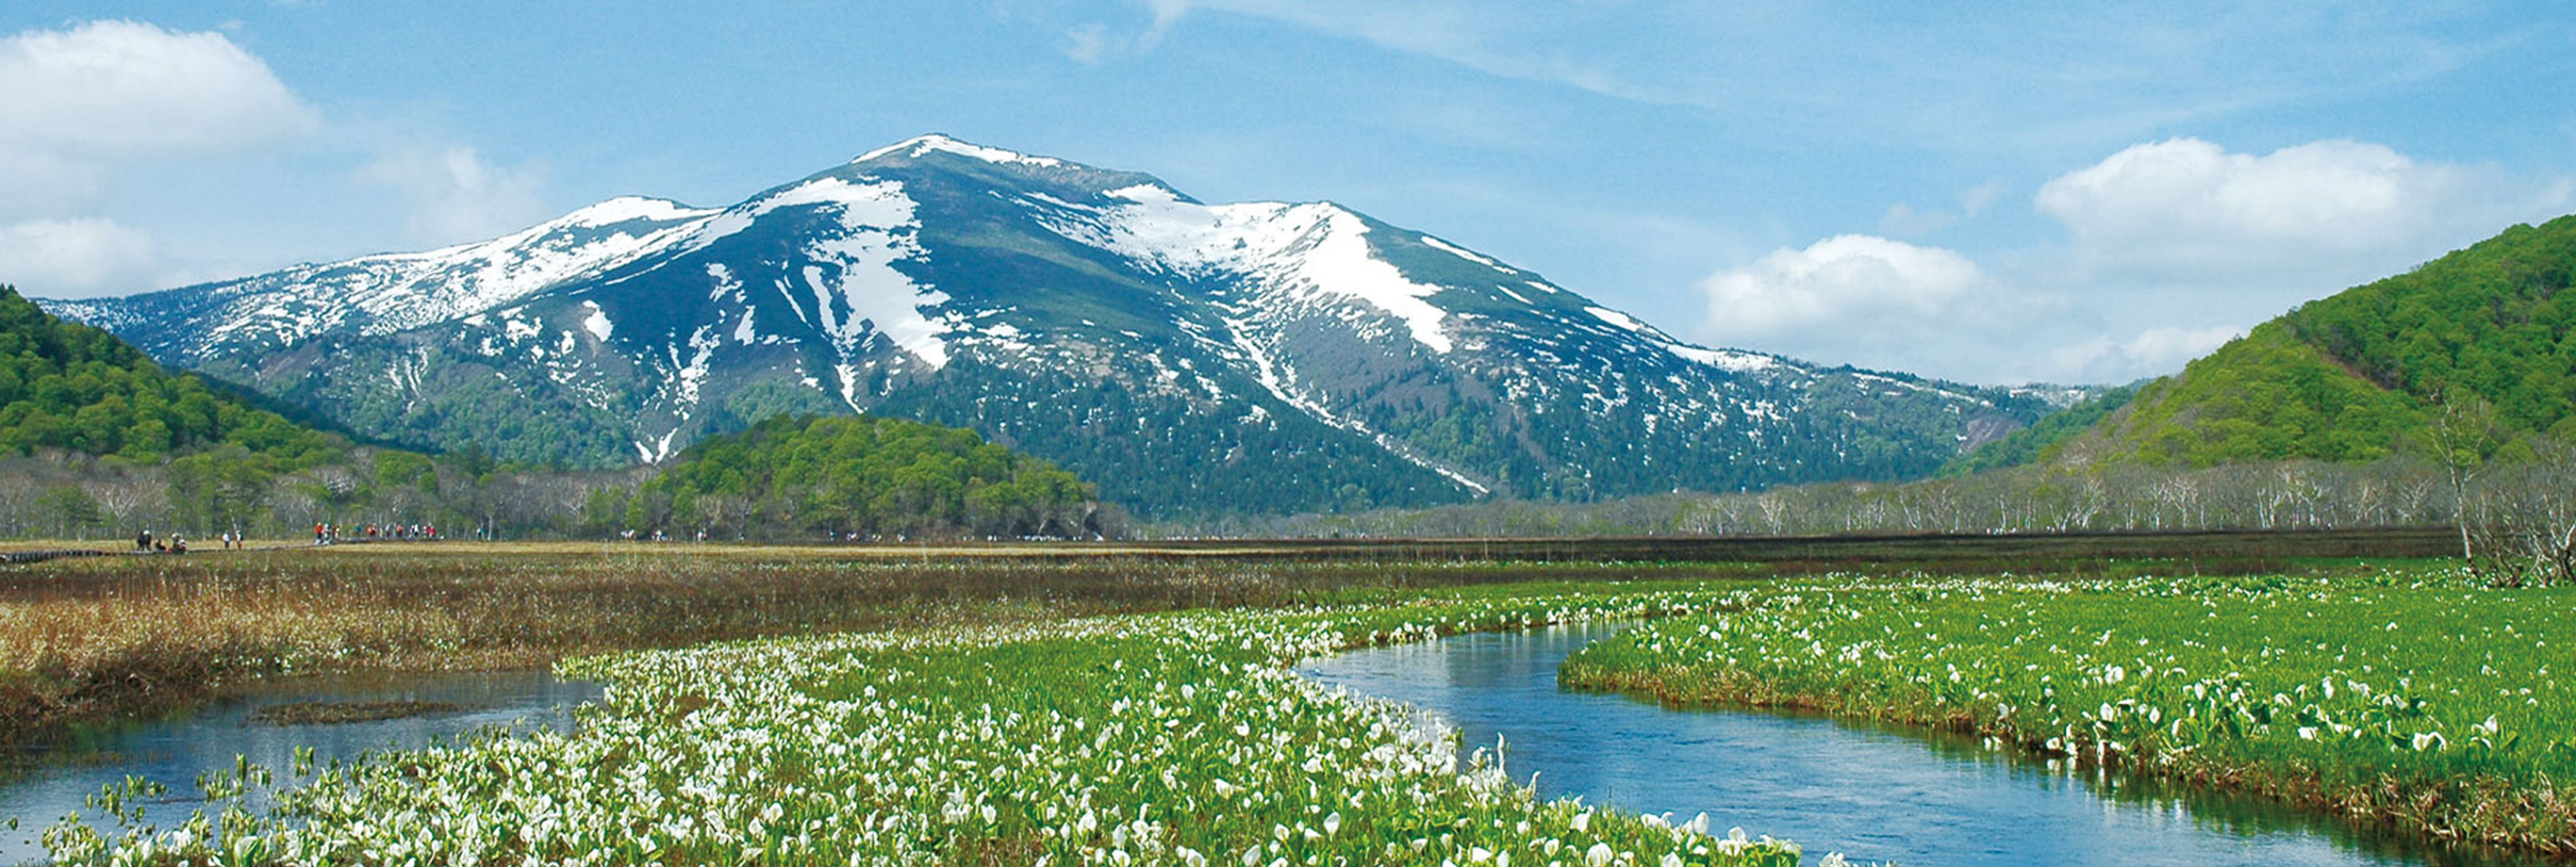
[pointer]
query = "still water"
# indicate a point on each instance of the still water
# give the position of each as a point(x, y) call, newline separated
point(52, 778)
point(1871, 794)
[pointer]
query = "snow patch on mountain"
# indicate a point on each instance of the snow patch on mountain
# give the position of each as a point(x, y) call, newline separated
point(692, 373)
point(922, 145)
point(866, 202)
point(1460, 252)
point(597, 322)
point(628, 209)
point(415, 289)
point(1724, 359)
point(721, 282)
point(1280, 379)
point(660, 450)
point(515, 328)
point(109, 314)
point(850, 273)
point(1306, 253)
point(1623, 321)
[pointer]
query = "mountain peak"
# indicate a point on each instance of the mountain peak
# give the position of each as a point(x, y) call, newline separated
point(628, 209)
point(924, 145)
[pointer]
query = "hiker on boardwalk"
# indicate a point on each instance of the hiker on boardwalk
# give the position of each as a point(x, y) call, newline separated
point(143, 541)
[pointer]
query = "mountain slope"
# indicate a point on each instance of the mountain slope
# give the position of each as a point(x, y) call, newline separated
point(65, 385)
point(1189, 358)
point(2354, 375)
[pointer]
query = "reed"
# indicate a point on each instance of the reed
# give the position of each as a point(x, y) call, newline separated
point(90, 637)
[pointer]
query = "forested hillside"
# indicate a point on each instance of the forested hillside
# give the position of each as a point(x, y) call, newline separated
point(2266, 396)
point(69, 386)
point(2493, 319)
point(808, 477)
point(99, 440)
point(2357, 376)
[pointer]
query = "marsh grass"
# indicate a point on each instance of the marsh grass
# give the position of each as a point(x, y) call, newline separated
point(2413, 700)
point(1180, 739)
point(92, 637)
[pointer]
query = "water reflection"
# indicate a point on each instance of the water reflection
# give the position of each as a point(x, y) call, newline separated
point(1871, 793)
point(51, 778)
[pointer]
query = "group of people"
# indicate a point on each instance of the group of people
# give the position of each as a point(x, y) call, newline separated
point(324, 534)
point(144, 541)
point(174, 545)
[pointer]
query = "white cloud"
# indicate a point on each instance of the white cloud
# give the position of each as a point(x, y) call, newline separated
point(1505, 41)
point(75, 104)
point(103, 121)
point(1857, 299)
point(2108, 360)
point(2029, 78)
point(77, 258)
point(1088, 44)
point(2187, 209)
point(1890, 305)
point(1903, 219)
point(2176, 246)
point(1834, 282)
point(1975, 200)
point(454, 195)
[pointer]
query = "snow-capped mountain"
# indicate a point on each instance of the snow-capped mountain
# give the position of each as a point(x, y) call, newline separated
point(1188, 357)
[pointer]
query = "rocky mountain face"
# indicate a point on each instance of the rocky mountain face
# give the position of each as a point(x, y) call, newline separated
point(1190, 358)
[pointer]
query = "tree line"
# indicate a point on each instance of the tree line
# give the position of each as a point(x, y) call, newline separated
point(852, 478)
point(2511, 494)
point(927, 483)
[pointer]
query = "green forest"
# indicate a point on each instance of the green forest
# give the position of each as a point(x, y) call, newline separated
point(2265, 397)
point(77, 392)
point(807, 477)
point(70, 386)
point(2489, 319)
point(2357, 376)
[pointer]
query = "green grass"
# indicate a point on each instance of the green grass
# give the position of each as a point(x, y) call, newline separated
point(1155, 739)
point(2408, 698)
point(2405, 696)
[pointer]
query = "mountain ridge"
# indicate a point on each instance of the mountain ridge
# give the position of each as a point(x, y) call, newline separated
point(1187, 357)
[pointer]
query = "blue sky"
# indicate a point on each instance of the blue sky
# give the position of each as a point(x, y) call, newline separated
point(2081, 193)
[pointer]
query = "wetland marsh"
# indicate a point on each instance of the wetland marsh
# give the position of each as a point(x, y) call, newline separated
point(799, 709)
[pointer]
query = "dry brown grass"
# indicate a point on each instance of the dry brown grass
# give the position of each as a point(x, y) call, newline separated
point(92, 636)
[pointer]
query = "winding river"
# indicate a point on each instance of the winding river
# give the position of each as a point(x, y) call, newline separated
point(53, 777)
point(1871, 794)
